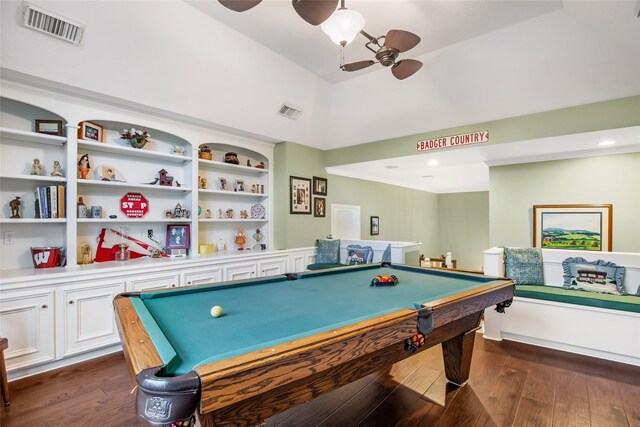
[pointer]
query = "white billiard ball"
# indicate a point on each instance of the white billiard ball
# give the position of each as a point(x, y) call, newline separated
point(216, 311)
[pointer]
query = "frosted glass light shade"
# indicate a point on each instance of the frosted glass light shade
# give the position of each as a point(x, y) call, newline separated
point(343, 26)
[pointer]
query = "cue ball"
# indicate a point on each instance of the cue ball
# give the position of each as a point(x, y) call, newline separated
point(216, 311)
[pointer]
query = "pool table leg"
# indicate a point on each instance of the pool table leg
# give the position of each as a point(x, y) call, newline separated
point(457, 354)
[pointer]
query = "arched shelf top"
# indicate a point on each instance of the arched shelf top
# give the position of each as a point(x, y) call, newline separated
point(219, 151)
point(106, 134)
point(22, 116)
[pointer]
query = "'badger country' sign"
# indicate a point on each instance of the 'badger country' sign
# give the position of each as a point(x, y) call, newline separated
point(454, 140)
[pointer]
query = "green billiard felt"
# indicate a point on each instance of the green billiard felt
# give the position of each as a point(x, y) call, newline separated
point(265, 312)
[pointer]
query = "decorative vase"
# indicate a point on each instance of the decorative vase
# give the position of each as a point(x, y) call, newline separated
point(137, 143)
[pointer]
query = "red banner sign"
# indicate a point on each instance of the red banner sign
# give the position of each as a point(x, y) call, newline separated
point(134, 205)
point(454, 140)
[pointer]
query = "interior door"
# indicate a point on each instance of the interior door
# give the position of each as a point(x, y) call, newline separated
point(345, 222)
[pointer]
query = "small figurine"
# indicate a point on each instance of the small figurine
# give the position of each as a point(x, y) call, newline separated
point(248, 163)
point(205, 153)
point(36, 168)
point(240, 239)
point(260, 165)
point(177, 212)
point(208, 214)
point(244, 214)
point(229, 213)
point(84, 166)
point(177, 149)
point(257, 237)
point(15, 207)
point(165, 179)
point(203, 183)
point(57, 169)
point(219, 213)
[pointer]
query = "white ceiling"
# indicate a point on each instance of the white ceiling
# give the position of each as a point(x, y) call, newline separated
point(461, 170)
point(439, 23)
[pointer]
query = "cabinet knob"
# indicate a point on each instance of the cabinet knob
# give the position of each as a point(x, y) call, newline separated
point(71, 302)
point(44, 306)
point(173, 285)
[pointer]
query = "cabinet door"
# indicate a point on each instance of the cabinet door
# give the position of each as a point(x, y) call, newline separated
point(28, 322)
point(240, 271)
point(154, 281)
point(89, 318)
point(203, 276)
point(272, 266)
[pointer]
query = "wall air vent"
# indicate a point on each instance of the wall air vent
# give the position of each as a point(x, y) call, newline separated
point(55, 25)
point(290, 111)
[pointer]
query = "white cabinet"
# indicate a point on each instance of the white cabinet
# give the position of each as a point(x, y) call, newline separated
point(240, 271)
point(201, 276)
point(154, 281)
point(273, 266)
point(88, 317)
point(27, 321)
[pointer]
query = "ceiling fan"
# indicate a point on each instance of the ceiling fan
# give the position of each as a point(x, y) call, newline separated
point(315, 12)
point(395, 42)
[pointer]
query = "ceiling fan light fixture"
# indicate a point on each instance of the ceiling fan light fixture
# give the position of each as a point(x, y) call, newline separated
point(343, 26)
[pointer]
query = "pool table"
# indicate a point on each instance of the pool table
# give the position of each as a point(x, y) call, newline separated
point(284, 340)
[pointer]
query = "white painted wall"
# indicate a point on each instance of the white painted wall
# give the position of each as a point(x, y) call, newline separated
point(557, 60)
point(168, 55)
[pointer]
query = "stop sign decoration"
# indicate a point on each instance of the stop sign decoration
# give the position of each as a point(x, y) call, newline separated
point(134, 205)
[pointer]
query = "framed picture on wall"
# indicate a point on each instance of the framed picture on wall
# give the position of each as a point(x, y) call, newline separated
point(375, 225)
point(319, 186)
point(177, 236)
point(300, 195)
point(319, 207)
point(574, 227)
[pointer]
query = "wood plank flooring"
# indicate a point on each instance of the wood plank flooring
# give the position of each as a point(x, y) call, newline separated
point(511, 384)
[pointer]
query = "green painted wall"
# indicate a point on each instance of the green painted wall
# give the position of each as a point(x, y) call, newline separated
point(463, 224)
point(617, 113)
point(612, 179)
point(405, 214)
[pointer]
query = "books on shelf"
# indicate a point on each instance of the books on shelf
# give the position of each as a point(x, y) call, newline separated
point(50, 201)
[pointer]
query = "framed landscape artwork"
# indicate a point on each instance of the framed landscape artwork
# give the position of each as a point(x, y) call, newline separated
point(300, 195)
point(375, 226)
point(574, 227)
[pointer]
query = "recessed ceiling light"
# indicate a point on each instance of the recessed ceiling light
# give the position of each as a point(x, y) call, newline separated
point(606, 143)
point(433, 163)
point(391, 167)
point(427, 176)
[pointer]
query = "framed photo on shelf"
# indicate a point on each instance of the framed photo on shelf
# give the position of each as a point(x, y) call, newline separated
point(49, 127)
point(224, 184)
point(319, 186)
point(238, 185)
point(575, 227)
point(177, 239)
point(300, 195)
point(375, 225)
point(320, 207)
point(91, 131)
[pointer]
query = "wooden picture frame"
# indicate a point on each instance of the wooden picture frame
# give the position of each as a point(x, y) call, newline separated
point(90, 131)
point(320, 186)
point(299, 195)
point(319, 207)
point(573, 227)
point(178, 236)
point(50, 127)
point(374, 225)
point(238, 185)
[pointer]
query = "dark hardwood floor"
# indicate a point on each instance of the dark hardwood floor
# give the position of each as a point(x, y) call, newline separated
point(511, 385)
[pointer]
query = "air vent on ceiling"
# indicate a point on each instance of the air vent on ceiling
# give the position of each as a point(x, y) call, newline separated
point(52, 24)
point(290, 111)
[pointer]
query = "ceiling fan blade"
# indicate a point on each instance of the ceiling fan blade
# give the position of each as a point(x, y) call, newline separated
point(239, 5)
point(405, 68)
point(358, 65)
point(315, 12)
point(401, 40)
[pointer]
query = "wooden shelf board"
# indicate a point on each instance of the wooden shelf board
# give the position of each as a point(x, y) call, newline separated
point(33, 220)
point(233, 193)
point(92, 182)
point(213, 164)
point(130, 151)
point(35, 178)
point(41, 138)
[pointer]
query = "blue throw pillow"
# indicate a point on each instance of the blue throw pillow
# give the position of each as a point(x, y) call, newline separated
point(328, 251)
point(595, 276)
point(524, 265)
point(386, 255)
point(357, 254)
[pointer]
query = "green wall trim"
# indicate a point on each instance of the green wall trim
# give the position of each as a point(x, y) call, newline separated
point(613, 114)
